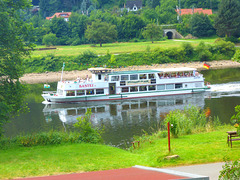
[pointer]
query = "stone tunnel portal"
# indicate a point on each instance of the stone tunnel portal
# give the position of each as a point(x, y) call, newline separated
point(169, 35)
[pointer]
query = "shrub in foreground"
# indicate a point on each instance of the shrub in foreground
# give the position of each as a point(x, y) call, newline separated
point(191, 119)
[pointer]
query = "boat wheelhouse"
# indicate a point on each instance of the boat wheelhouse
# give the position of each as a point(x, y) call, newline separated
point(107, 84)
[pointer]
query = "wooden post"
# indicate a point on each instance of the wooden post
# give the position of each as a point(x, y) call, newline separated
point(169, 148)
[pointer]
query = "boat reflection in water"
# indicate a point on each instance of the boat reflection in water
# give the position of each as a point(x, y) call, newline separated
point(124, 119)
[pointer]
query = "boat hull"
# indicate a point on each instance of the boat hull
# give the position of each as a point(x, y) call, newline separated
point(58, 99)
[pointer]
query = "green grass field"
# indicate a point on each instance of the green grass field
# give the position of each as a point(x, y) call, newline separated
point(117, 48)
point(59, 159)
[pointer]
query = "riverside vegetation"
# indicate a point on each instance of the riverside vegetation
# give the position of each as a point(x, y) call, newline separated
point(185, 52)
point(59, 152)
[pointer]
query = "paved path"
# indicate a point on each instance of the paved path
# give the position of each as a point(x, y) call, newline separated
point(211, 170)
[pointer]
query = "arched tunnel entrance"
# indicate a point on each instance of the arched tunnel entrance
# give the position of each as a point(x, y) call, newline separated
point(169, 35)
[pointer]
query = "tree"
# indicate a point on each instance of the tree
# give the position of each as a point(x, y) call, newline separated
point(60, 27)
point(15, 40)
point(100, 32)
point(49, 39)
point(130, 27)
point(201, 26)
point(227, 22)
point(152, 31)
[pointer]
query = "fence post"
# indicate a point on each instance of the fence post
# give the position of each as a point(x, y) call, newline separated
point(169, 148)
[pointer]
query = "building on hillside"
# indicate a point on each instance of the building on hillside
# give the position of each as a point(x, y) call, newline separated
point(64, 15)
point(133, 5)
point(193, 10)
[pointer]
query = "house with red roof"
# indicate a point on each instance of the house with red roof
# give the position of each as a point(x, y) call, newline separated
point(193, 10)
point(64, 15)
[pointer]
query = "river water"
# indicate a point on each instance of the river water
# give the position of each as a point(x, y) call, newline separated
point(122, 120)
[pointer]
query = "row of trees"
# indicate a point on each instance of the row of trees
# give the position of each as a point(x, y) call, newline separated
point(48, 7)
point(82, 29)
point(127, 26)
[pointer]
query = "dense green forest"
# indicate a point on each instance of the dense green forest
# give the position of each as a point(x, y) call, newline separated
point(125, 26)
point(89, 19)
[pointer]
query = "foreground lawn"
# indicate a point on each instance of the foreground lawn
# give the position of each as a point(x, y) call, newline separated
point(117, 48)
point(49, 160)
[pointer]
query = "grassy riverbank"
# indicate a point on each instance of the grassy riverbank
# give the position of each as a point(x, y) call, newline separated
point(118, 48)
point(59, 159)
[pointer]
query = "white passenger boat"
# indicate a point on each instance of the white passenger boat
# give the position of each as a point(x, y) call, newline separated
point(107, 84)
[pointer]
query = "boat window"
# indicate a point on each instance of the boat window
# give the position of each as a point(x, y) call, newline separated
point(124, 77)
point(151, 76)
point(99, 76)
point(134, 77)
point(80, 92)
point(161, 87)
point(151, 88)
point(90, 92)
point(70, 93)
point(114, 78)
point(122, 83)
point(142, 88)
point(133, 89)
point(142, 76)
point(125, 89)
point(170, 86)
point(99, 91)
point(153, 81)
point(177, 86)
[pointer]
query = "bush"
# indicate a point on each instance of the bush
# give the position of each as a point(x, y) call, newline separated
point(191, 119)
point(188, 49)
point(88, 134)
point(203, 53)
point(236, 56)
point(49, 39)
point(232, 39)
point(231, 170)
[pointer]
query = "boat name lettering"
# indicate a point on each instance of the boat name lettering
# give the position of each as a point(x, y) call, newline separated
point(85, 85)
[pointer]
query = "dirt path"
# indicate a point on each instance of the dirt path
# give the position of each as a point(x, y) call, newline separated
point(48, 77)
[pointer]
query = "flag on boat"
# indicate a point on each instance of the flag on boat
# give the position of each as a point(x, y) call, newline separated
point(207, 66)
point(46, 86)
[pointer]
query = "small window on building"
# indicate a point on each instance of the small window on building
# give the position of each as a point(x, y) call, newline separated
point(124, 77)
point(142, 88)
point(151, 88)
point(90, 92)
point(170, 86)
point(161, 87)
point(178, 86)
point(80, 92)
point(125, 89)
point(114, 78)
point(142, 76)
point(133, 89)
point(134, 77)
point(70, 93)
point(99, 91)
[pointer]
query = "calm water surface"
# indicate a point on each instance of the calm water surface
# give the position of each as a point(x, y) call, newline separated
point(124, 119)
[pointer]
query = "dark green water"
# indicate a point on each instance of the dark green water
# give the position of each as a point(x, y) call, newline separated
point(124, 119)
